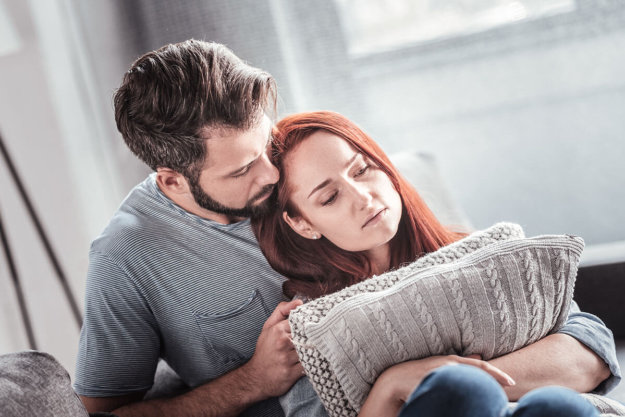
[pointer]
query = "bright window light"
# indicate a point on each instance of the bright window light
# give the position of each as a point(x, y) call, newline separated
point(377, 25)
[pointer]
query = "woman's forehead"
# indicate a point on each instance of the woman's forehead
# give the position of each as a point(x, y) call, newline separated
point(317, 158)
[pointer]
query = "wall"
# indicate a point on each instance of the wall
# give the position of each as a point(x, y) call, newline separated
point(46, 124)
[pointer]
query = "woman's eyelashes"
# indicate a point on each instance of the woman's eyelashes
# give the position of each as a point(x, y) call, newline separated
point(362, 171)
point(330, 200)
point(359, 173)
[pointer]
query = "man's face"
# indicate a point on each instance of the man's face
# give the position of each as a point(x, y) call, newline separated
point(238, 176)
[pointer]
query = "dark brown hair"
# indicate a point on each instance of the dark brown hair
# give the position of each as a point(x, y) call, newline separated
point(170, 96)
point(318, 267)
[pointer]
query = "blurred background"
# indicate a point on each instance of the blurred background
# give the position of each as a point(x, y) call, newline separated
point(521, 103)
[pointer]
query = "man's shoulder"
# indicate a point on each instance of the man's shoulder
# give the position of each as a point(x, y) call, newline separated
point(137, 218)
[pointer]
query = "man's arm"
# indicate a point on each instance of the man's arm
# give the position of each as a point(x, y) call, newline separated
point(273, 368)
point(581, 356)
point(557, 359)
point(592, 332)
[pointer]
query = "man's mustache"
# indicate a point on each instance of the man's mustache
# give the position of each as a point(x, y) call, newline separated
point(267, 189)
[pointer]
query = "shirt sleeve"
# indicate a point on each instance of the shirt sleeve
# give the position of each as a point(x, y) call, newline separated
point(592, 332)
point(302, 401)
point(119, 342)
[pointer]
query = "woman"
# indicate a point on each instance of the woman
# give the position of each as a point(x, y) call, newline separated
point(344, 213)
point(321, 251)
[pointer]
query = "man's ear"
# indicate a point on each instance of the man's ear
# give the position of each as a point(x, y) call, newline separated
point(171, 182)
point(301, 226)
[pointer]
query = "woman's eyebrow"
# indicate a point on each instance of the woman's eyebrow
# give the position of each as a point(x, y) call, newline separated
point(320, 186)
point(326, 182)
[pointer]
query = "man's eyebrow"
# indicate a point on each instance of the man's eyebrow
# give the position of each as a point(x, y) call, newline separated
point(246, 167)
point(326, 182)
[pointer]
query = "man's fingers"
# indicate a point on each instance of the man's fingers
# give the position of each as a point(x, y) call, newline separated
point(285, 308)
point(283, 327)
point(292, 357)
point(297, 370)
point(281, 312)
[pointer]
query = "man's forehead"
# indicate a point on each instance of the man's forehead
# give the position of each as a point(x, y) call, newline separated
point(229, 148)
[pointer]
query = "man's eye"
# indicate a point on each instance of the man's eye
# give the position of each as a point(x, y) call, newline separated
point(330, 200)
point(245, 171)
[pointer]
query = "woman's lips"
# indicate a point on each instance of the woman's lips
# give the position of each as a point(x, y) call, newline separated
point(375, 219)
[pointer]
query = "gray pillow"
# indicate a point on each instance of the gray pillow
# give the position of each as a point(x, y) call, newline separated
point(505, 292)
point(35, 384)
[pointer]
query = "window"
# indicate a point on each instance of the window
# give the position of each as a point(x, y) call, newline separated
point(376, 25)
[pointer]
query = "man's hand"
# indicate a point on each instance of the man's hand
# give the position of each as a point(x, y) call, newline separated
point(275, 365)
point(271, 371)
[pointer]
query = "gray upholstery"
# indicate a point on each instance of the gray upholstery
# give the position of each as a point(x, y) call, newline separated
point(35, 384)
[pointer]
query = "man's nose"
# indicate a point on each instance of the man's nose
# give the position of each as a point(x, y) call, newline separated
point(271, 175)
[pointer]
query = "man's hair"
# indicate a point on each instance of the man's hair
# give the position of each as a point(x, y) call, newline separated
point(169, 97)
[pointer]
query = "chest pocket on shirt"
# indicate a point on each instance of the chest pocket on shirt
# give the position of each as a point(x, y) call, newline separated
point(233, 333)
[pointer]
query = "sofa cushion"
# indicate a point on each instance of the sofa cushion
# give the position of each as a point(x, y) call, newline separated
point(35, 384)
point(422, 171)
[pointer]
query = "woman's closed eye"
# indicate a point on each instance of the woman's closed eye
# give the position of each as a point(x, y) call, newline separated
point(331, 199)
point(362, 170)
point(359, 173)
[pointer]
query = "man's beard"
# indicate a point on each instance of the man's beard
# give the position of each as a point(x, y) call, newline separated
point(249, 210)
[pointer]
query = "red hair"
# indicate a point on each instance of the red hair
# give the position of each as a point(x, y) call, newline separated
point(318, 267)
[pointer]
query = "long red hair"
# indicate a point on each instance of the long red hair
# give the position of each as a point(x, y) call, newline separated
point(318, 267)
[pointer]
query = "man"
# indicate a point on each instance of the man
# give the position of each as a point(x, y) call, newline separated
point(178, 274)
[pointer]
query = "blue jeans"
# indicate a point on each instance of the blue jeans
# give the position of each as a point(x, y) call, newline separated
point(463, 390)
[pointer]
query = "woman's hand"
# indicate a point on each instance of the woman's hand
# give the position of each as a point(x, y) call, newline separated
point(394, 386)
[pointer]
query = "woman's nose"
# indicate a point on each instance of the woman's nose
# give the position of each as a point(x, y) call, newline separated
point(362, 196)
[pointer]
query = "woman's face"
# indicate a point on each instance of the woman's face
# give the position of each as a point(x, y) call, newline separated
point(341, 194)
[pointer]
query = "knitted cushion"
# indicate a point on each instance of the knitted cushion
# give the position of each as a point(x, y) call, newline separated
point(511, 282)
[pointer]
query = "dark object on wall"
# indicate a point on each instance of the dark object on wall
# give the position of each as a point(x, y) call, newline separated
point(600, 290)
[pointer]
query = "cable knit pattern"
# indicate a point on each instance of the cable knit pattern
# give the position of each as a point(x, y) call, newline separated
point(500, 308)
point(397, 348)
point(464, 318)
point(560, 265)
point(354, 351)
point(464, 298)
point(534, 294)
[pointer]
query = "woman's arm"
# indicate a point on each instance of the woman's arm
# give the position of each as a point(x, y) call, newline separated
point(394, 386)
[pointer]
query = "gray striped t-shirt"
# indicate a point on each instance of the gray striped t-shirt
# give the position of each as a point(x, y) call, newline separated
point(164, 283)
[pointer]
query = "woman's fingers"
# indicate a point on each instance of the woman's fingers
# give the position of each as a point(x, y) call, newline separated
point(503, 378)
